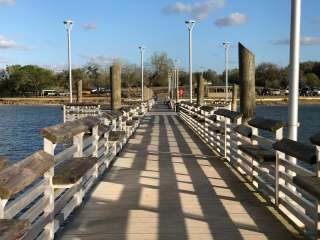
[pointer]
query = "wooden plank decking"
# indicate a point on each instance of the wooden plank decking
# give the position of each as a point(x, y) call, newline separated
point(167, 184)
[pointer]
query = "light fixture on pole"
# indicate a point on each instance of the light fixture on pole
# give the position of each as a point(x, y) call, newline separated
point(294, 69)
point(142, 49)
point(68, 24)
point(226, 46)
point(190, 25)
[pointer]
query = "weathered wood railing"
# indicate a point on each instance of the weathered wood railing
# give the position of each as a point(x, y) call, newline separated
point(40, 192)
point(285, 171)
point(74, 111)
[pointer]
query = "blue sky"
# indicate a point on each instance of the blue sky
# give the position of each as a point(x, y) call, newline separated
point(32, 32)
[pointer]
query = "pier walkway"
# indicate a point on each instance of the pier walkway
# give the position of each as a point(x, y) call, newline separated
point(167, 184)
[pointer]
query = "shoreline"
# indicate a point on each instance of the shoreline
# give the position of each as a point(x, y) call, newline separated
point(54, 101)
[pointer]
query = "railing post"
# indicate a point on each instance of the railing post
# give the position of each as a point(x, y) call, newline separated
point(64, 114)
point(106, 149)
point(255, 132)
point(234, 98)
point(49, 147)
point(95, 143)
point(278, 169)
point(78, 141)
point(3, 203)
point(226, 122)
point(317, 202)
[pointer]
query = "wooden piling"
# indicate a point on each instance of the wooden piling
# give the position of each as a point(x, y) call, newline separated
point(79, 91)
point(247, 83)
point(115, 82)
point(235, 97)
point(200, 88)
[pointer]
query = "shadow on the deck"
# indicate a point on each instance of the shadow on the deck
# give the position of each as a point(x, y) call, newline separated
point(167, 184)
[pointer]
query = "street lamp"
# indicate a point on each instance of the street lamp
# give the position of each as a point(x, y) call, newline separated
point(68, 24)
point(294, 69)
point(226, 46)
point(190, 24)
point(169, 84)
point(176, 65)
point(142, 49)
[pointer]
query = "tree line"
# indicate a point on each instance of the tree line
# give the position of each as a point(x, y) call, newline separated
point(17, 80)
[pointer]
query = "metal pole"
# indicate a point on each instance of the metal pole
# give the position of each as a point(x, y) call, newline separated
point(190, 62)
point(227, 73)
point(69, 63)
point(169, 85)
point(142, 77)
point(190, 24)
point(177, 79)
point(226, 46)
point(294, 69)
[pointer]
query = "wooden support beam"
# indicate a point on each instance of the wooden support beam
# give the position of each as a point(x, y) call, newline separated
point(247, 70)
point(200, 89)
point(115, 82)
point(79, 91)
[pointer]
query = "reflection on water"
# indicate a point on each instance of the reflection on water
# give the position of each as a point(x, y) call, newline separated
point(309, 118)
point(20, 125)
point(20, 128)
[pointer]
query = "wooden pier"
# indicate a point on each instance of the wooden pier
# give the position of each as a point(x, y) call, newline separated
point(167, 184)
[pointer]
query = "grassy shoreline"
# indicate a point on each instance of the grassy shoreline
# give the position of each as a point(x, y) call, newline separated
point(59, 101)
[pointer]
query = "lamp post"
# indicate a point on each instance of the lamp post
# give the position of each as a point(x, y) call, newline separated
point(68, 24)
point(226, 46)
point(177, 63)
point(190, 24)
point(169, 84)
point(294, 69)
point(142, 49)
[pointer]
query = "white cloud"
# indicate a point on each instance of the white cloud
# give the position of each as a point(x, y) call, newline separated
point(98, 60)
point(233, 19)
point(7, 2)
point(198, 10)
point(89, 26)
point(306, 41)
point(6, 43)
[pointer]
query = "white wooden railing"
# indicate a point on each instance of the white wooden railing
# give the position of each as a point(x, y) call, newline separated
point(45, 188)
point(285, 172)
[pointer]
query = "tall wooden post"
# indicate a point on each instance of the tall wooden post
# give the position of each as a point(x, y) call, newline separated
point(247, 70)
point(234, 98)
point(200, 88)
point(115, 82)
point(146, 94)
point(79, 91)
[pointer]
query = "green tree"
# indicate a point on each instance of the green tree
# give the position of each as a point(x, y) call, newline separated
point(30, 78)
point(269, 75)
point(131, 75)
point(312, 80)
point(160, 65)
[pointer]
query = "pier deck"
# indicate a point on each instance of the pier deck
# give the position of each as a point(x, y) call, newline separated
point(167, 184)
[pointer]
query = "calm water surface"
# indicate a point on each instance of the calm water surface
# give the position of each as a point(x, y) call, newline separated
point(20, 128)
point(20, 125)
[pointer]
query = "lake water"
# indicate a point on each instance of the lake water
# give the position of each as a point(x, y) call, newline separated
point(20, 125)
point(20, 128)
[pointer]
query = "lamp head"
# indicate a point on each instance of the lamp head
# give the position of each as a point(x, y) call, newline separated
point(141, 48)
point(68, 23)
point(190, 24)
point(226, 44)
